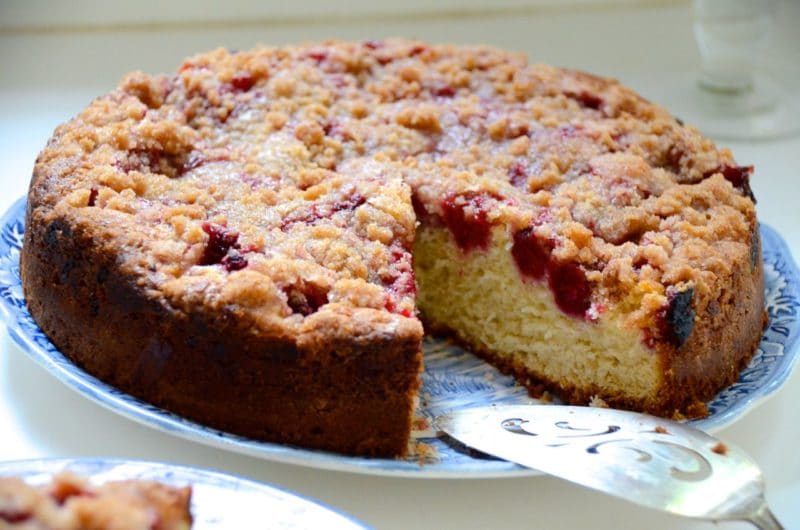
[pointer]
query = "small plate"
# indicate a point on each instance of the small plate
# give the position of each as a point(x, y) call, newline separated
point(452, 378)
point(219, 501)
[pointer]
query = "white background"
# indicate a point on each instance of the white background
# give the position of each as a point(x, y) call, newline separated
point(57, 57)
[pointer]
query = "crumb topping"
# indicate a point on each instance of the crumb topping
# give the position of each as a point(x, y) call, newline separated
point(282, 179)
point(72, 502)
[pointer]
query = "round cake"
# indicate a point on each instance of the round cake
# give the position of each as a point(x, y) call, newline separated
point(255, 241)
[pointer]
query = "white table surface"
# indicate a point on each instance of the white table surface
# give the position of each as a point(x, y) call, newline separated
point(47, 76)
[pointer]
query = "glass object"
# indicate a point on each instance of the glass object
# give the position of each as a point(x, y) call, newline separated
point(733, 98)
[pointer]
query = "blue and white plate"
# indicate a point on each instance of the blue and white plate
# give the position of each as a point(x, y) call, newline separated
point(453, 378)
point(219, 501)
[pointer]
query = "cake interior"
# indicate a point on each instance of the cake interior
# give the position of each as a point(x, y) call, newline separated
point(481, 298)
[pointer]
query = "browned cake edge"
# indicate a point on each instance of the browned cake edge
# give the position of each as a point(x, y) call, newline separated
point(730, 321)
point(727, 331)
point(349, 394)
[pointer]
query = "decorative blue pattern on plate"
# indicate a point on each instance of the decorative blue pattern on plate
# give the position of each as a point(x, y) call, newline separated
point(219, 501)
point(452, 378)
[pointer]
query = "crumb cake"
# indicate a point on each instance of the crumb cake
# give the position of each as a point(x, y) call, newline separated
point(70, 502)
point(254, 241)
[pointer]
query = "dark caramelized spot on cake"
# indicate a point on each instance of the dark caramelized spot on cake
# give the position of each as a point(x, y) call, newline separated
point(220, 242)
point(570, 287)
point(738, 176)
point(93, 195)
point(586, 99)
point(94, 305)
point(466, 217)
point(530, 255)
point(102, 275)
point(679, 316)
point(56, 230)
point(305, 298)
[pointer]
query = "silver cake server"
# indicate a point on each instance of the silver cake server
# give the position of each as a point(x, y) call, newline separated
point(650, 461)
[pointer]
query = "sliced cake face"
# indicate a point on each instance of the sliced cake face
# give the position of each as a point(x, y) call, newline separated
point(529, 328)
point(71, 502)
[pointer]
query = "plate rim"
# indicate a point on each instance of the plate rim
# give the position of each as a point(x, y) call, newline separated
point(62, 463)
point(148, 415)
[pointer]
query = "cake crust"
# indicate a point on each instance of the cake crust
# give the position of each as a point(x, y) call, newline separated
point(216, 368)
